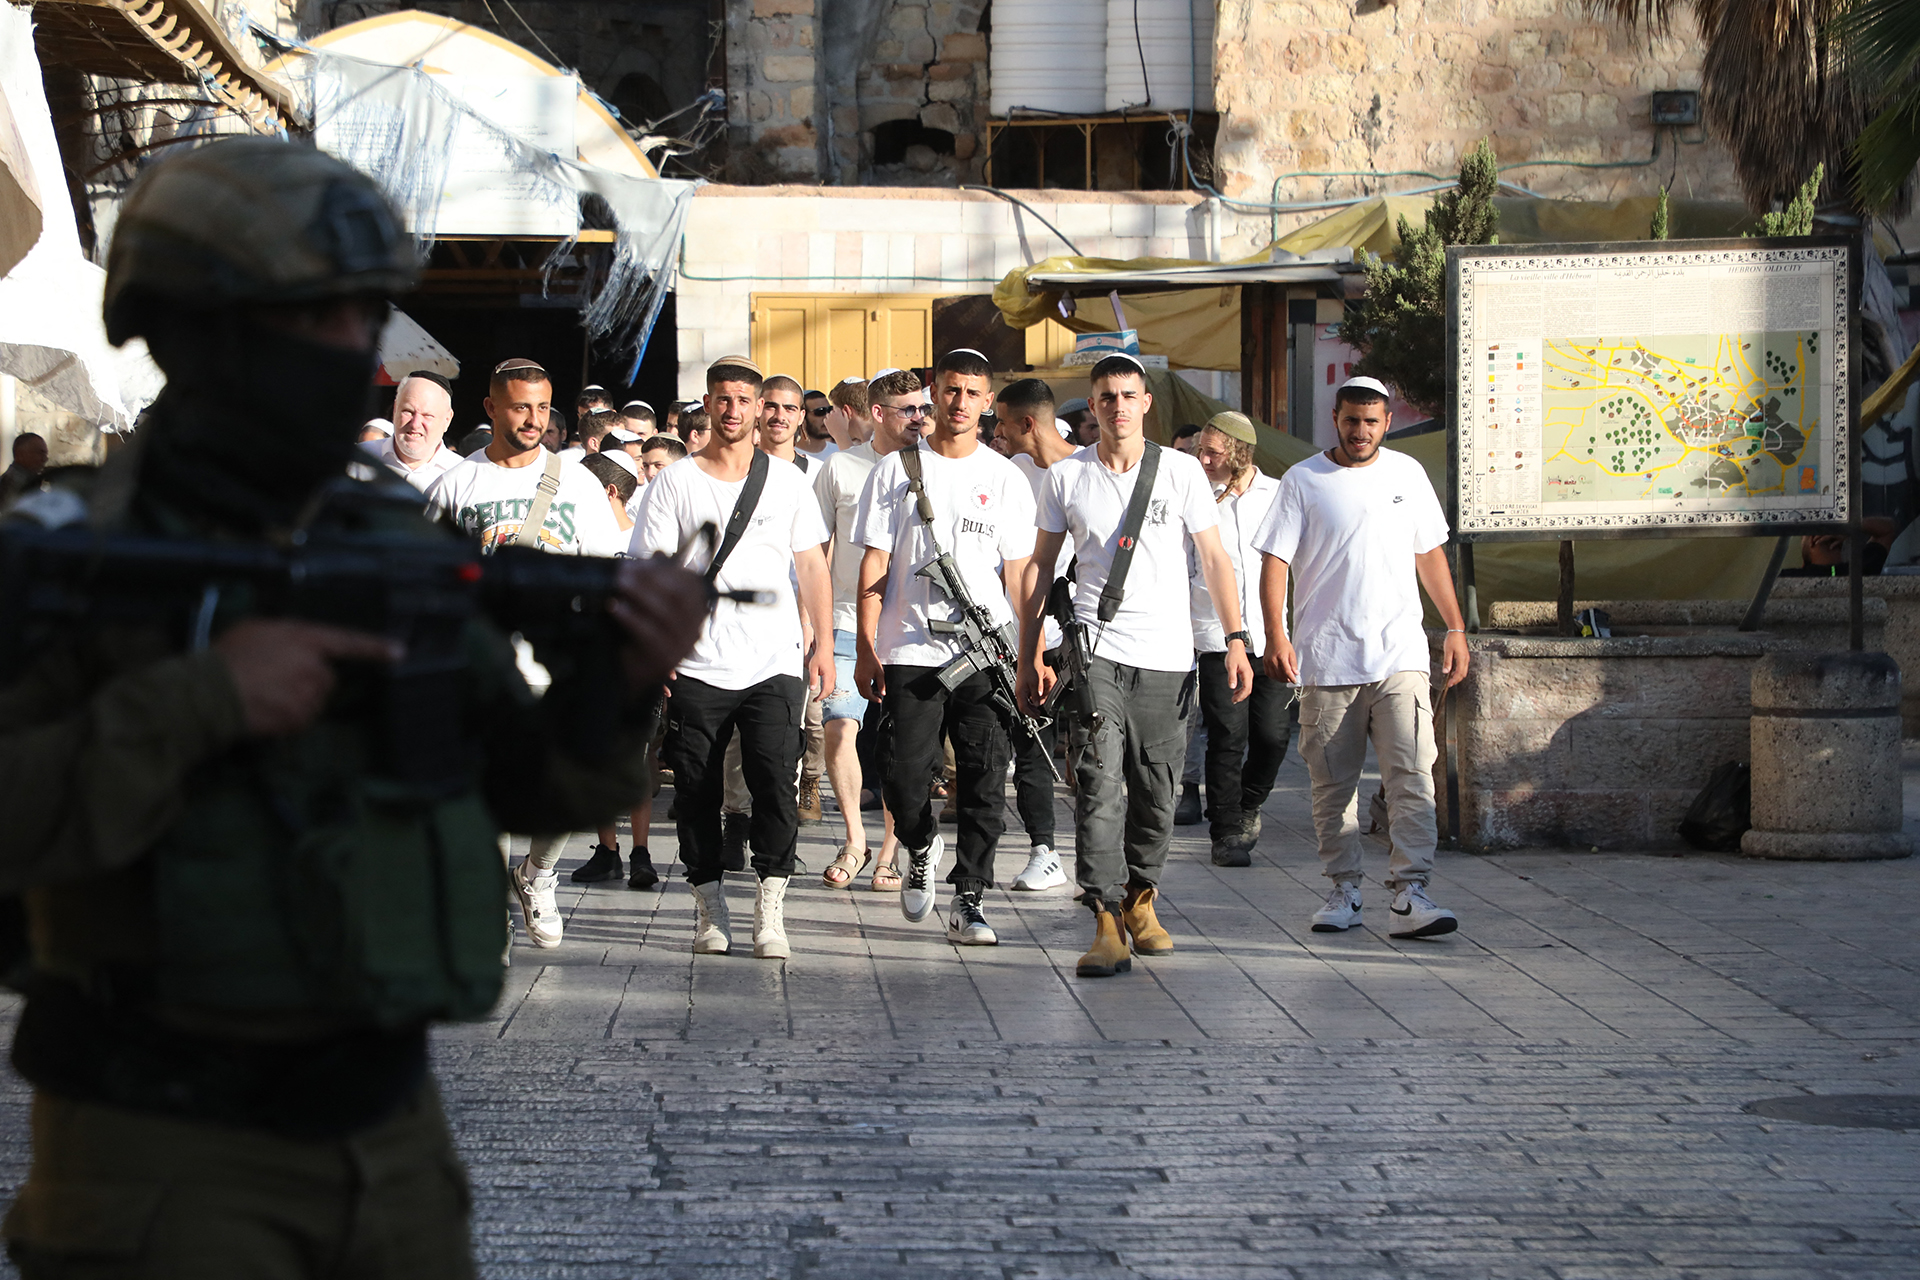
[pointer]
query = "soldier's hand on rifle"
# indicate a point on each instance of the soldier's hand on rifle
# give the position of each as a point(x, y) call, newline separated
point(1281, 662)
point(283, 669)
point(661, 607)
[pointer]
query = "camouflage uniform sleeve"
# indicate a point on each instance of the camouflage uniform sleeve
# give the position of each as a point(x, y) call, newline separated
point(537, 781)
point(94, 772)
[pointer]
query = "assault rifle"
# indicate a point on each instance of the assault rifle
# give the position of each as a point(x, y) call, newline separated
point(57, 584)
point(983, 647)
point(1071, 689)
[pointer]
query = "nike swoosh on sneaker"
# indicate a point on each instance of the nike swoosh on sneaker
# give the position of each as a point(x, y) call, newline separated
point(1401, 911)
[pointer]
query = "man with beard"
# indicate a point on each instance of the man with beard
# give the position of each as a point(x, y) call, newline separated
point(750, 671)
point(816, 436)
point(245, 907)
point(519, 492)
point(416, 451)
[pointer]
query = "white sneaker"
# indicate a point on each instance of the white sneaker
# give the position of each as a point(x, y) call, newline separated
point(1043, 871)
point(537, 906)
point(967, 924)
point(770, 920)
point(710, 923)
point(916, 886)
point(1415, 915)
point(1340, 912)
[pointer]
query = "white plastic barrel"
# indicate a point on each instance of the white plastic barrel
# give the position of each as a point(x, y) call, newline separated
point(1174, 38)
point(1049, 55)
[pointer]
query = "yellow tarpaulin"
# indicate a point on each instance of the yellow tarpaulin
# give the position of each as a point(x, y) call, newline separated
point(1200, 328)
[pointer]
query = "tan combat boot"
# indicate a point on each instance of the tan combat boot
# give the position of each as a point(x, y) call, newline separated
point(810, 813)
point(1108, 955)
point(1149, 939)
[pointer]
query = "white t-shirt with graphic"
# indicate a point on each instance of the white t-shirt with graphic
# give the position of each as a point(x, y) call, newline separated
point(1088, 502)
point(1350, 535)
point(838, 484)
point(491, 502)
point(1241, 518)
point(741, 644)
point(983, 515)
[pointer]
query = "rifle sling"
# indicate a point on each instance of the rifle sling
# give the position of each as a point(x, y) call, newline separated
point(1115, 589)
point(742, 514)
point(529, 535)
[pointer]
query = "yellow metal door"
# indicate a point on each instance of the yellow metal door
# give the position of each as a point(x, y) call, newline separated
point(821, 338)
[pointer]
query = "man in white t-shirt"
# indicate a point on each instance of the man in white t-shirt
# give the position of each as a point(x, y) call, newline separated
point(750, 671)
point(492, 496)
point(816, 436)
point(1127, 753)
point(981, 512)
point(1362, 532)
point(416, 451)
point(1030, 432)
point(891, 404)
point(1246, 742)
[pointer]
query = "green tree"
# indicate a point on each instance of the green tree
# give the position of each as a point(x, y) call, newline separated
point(1882, 38)
point(1797, 218)
point(1400, 326)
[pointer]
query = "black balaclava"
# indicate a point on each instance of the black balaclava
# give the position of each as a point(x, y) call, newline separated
point(252, 422)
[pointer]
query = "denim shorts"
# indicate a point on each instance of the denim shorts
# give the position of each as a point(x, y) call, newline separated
point(845, 702)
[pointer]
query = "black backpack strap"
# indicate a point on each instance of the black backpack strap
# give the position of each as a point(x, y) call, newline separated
point(1115, 589)
point(742, 513)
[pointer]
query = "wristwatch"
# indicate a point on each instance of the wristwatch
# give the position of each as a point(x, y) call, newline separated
point(1245, 638)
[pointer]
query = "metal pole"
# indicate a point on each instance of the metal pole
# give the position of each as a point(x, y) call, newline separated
point(1565, 611)
point(1759, 606)
point(1856, 520)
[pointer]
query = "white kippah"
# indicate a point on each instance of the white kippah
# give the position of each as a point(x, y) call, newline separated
point(624, 460)
point(1066, 432)
point(884, 372)
point(1365, 384)
point(1122, 355)
point(971, 351)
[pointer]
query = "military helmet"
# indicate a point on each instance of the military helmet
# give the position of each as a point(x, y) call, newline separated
point(250, 220)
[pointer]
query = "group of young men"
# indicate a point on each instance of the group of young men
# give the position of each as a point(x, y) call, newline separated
point(880, 570)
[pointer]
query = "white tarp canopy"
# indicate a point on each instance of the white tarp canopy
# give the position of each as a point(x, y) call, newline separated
point(407, 348)
point(51, 335)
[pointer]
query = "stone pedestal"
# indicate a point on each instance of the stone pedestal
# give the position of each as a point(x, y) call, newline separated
point(1826, 758)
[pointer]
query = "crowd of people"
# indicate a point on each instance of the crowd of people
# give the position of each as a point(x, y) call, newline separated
point(853, 674)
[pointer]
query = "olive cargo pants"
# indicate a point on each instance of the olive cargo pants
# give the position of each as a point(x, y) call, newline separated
point(123, 1195)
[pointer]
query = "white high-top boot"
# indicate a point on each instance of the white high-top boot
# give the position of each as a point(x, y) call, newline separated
point(711, 925)
point(770, 920)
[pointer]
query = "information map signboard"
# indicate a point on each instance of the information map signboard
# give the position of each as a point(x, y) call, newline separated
point(1654, 388)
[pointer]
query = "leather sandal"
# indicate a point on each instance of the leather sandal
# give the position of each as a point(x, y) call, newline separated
point(847, 865)
point(886, 878)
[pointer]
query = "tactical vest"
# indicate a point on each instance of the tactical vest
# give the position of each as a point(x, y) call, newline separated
point(307, 885)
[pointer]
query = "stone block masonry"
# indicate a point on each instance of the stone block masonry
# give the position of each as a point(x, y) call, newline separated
point(1321, 93)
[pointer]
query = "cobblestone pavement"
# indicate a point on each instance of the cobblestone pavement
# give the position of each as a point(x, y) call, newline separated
point(1555, 1091)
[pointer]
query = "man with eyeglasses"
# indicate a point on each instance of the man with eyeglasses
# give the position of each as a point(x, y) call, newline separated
point(814, 436)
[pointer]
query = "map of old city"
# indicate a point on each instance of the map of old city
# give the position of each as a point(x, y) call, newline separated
point(1650, 387)
point(1682, 416)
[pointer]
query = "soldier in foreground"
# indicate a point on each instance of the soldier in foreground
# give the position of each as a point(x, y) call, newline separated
point(247, 893)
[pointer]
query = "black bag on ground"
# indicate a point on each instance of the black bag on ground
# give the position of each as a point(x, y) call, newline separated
point(1723, 810)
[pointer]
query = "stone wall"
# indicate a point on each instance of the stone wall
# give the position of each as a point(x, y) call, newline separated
point(1324, 86)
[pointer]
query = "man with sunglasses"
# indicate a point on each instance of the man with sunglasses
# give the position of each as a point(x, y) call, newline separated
point(814, 437)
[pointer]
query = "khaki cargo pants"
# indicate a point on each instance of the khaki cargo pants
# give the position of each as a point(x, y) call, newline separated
point(122, 1195)
point(1336, 722)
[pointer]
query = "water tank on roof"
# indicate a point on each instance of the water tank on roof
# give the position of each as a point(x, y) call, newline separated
point(1046, 55)
point(1170, 41)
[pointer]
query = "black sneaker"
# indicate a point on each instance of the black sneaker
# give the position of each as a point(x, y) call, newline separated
point(603, 865)
point(641, 874)
point(733, 841)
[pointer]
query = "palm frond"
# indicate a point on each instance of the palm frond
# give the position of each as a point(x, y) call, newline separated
point(1886, 153)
